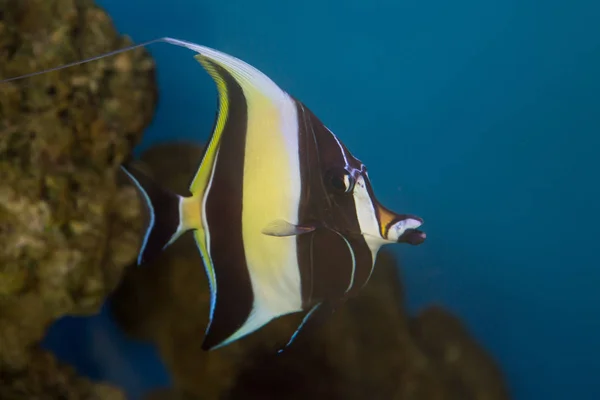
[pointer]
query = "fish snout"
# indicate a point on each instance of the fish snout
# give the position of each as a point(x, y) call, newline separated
point(413, 237)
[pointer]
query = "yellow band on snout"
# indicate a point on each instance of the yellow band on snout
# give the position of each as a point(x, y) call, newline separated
point(385, 219)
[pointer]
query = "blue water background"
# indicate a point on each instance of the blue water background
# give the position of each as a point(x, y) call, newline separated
point(483, 117)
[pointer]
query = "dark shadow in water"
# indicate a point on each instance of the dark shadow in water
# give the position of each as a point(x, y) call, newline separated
point(97, 348)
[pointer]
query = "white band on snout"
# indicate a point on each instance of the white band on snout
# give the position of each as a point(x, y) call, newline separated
point(400, 227)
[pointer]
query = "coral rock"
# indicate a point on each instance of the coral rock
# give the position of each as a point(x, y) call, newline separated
point(67, 229)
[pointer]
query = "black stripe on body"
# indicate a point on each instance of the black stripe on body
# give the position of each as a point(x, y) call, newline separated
point(234, 296)
point(324, 259)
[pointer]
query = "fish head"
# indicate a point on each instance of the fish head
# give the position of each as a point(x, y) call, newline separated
point(349, 188)
point(348, 204)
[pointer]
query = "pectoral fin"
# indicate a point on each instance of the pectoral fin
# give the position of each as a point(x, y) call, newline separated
point(312, 320)
point(280, 227)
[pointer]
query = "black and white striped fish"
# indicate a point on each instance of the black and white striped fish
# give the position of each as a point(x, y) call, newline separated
point(284, 216)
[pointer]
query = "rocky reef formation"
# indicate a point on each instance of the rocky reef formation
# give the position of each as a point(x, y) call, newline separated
point(67, 230)
point(369, 349)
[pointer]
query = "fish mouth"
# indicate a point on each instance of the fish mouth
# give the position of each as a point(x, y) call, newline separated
point(412, 236)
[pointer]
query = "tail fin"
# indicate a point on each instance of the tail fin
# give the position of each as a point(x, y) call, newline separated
point(164, 224)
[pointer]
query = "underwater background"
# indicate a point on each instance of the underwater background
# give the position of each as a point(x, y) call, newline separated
point(480, 116)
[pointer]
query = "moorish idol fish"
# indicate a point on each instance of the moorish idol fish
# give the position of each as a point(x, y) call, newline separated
point(284, 216)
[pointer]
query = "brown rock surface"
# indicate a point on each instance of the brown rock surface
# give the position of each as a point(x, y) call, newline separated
point(45, 379)
point(67, 230)
point(369, 349)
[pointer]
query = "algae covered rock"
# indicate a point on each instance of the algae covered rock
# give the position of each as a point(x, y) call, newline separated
point(67, 229)
point(45, 379)
point(369, 349)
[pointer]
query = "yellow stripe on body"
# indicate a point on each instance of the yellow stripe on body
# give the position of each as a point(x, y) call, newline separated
point(202, 180)
point(271, 192)
point(190, 213)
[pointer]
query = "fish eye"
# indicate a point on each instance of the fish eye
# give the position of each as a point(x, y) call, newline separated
point(341, 181)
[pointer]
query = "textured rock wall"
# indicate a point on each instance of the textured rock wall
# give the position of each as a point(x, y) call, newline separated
point(67, 230)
